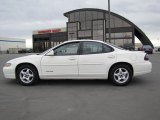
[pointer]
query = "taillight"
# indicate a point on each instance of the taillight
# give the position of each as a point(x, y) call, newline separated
point(146, 57)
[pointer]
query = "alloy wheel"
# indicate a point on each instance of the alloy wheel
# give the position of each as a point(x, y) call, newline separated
point(121, 75)
point(26, 75)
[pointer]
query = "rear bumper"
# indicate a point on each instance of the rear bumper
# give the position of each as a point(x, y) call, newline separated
point(142, 68)
point(149, 52)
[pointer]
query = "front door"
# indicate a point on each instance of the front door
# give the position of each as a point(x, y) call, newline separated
point(64, 62)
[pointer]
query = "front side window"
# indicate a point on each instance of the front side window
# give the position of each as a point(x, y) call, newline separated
point(67, 49)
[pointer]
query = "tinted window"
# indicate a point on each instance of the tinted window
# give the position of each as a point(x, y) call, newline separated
point(107, 48)
point(67, 49)
point(92, 48)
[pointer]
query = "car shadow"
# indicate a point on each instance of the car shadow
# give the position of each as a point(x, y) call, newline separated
point(74, 82)
point(136, 81)
point(10, 82)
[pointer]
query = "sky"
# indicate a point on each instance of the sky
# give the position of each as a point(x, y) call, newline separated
point(18, 18)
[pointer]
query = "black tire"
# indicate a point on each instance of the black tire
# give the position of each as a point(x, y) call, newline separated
point(27, 75)
point(120, 78)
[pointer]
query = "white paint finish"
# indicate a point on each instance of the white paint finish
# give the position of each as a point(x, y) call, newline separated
point(92, 66)
point(142, 68)
point(59, 65)
point(95, 65)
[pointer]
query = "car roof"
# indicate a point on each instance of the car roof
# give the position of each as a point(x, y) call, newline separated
point(84, 40)
point(88, 40)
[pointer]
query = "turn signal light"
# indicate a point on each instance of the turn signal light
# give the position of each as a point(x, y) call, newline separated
point(7, 65)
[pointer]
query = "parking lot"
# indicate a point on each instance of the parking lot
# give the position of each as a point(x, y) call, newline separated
point(81, 100)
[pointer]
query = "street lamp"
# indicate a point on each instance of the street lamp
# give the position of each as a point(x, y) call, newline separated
point(109, 18)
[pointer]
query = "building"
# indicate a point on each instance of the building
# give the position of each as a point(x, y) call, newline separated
point(11, 45)
point(138, 46)
point(44, 39)
point(90, 23)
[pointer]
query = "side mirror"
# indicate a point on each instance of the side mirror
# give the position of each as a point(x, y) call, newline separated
point(51, 53)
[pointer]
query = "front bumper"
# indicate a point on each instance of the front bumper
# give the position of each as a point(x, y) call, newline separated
point(9, 72)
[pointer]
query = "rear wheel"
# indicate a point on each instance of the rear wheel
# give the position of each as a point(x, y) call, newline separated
point(121, 75)
point(27, 75)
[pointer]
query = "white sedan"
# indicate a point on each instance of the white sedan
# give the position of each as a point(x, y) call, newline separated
point(79, 59)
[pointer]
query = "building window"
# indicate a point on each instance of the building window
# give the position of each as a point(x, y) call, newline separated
point(100, 15)
point(127, 34)
point(98, 24)
point(125, 24)
point(82, 16)
point(72, 35)
point(76, 16)
point(116, 22)
point(88, 15)
point(127, 42)
point(113, 41)
point(120, 35)
point(95, 15)
point(85, 25)
point(71, 17)
point(119, 42)
point(88, 25)
point(86, 33)
point(72, 30)
point(98, 29)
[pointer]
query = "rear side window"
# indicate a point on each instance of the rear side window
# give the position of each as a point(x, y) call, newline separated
point(95, 48)
point(107, 48)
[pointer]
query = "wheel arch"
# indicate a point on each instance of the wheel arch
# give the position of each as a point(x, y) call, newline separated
point(121, 63)
point(26, 63)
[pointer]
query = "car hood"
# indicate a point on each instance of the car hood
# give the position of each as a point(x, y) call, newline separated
point(26, 58)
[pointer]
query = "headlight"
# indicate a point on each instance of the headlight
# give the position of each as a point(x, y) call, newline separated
point(7, 65)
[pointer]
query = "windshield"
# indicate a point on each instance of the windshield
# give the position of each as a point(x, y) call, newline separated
point(49, 49)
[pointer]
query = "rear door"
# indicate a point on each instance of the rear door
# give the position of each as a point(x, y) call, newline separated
point(95, 60)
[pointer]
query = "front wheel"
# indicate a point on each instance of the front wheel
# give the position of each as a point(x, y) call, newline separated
point(27, 75)
point(120, 75)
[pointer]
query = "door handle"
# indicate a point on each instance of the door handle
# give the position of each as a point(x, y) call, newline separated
point(111, 56)
point(72, 58)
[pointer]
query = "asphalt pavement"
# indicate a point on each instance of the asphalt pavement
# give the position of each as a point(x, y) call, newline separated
point(81, 99)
